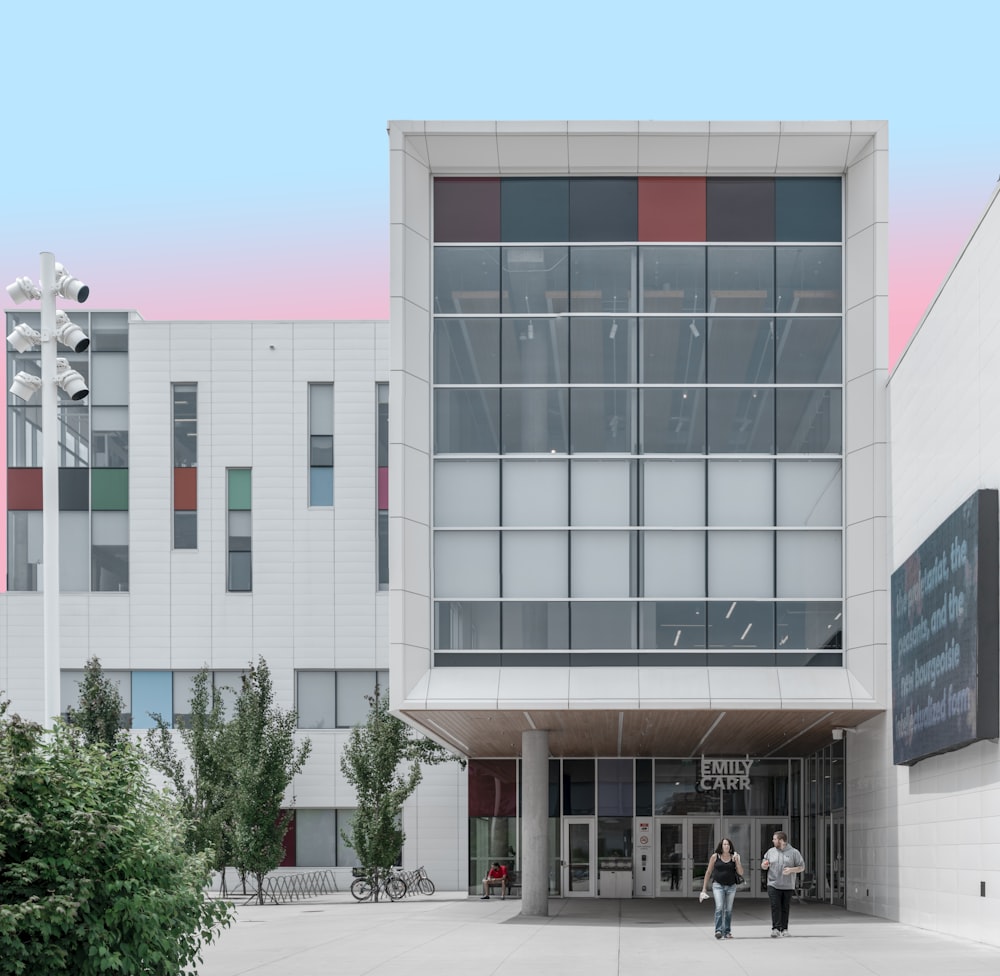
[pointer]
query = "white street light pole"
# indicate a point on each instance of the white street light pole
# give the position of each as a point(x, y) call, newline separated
point(55, 327)
point(51, 608)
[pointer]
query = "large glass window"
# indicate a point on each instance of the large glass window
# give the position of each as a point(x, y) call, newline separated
point(665, 421)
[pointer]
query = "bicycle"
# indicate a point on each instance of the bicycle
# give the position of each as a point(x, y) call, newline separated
point(364, 888)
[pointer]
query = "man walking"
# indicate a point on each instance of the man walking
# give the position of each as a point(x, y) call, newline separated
point(782, 862)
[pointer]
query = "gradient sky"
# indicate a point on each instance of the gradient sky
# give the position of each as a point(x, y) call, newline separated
point(230, 161)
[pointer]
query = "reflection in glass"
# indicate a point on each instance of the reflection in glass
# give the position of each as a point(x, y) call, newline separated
point(809, 351)
point(810, 493)
point(740, 350)
point(602, 350)
point(535, 626)
point(602, 279)
point(467, 421)
point(740, 624)
point(740, 279)
point(614, 796)
point(602, 421)
point(535, 280)
point(672, 625)
point(578, 856)
point(578, 787)
point(466, 625)
point(673, 350)
point(808, 279)
point(673, 279)
point(602, 626)
point(671, 857)
point(809, 421)
point(466, 351)
point(466, 280)
point(740, 421)
point(534, 421)
point(673, 421)
point(676, 789)
point(534, 350)
point(810, 625)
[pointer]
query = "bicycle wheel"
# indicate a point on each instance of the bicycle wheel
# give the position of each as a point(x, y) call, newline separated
point(395, 888)
point(361, 888)
point(426, 886)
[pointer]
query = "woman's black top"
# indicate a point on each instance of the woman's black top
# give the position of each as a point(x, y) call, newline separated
point(725, 872)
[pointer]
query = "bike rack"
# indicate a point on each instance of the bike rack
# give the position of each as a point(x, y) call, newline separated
point(283, 888)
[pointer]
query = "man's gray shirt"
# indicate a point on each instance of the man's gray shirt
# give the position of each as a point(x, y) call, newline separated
point(778, 861)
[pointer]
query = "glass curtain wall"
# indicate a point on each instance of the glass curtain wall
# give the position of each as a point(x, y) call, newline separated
point(637, 424)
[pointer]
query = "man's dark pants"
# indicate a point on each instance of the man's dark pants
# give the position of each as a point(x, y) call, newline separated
point(781, 901)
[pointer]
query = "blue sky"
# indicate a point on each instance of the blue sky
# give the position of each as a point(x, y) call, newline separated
point(231, 161)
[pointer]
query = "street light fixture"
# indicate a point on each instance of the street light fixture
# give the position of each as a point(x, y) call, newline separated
point(55, 282)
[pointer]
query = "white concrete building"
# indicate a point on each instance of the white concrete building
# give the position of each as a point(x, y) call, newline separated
point(924, 834)
point(638, 508)
point(222, 499)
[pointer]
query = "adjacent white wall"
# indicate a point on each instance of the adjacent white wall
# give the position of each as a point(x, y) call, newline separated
point(922, 838)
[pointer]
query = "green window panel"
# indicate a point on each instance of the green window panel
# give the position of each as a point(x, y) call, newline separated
point(109, 489)
point(239, 489)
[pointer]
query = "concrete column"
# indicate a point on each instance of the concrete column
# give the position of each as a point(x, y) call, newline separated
point(535, 823)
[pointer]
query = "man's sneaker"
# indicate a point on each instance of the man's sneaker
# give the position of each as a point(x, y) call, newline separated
point(484, 897)
point(718, 935)
point(775, 933)
point(784, 933)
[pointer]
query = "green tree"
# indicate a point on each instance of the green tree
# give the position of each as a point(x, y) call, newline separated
point(265, 759)
point(371, 762)
point(95, 876)
point(203, 781)
point(98, 717)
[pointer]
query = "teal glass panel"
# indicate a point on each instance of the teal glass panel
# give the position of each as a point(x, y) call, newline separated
point(239, 489)
point(808, 209)
point(109, 489)
point(534, 210)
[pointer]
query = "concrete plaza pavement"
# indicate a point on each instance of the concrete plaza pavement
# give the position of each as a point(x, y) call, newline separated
point(452, 934)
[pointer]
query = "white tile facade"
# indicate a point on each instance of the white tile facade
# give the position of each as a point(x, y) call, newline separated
point(923, 838)
point(315, 602)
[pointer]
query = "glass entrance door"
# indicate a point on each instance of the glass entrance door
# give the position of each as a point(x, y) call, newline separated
point(684, 847)
point(835, 858)
point(671, 858)
point(579, 879)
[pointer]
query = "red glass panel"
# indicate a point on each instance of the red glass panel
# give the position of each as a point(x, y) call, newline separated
point(24, 489)
point(383, 489)
point(185, 489)
point(288, 843)
point(492, 788)
point(671, 208)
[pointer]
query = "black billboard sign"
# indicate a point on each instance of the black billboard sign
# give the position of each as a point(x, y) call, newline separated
point(945, 668)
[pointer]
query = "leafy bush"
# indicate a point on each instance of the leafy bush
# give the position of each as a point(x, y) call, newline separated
point(94, 872)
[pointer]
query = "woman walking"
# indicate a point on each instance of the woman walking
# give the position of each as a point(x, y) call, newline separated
point(724, 868)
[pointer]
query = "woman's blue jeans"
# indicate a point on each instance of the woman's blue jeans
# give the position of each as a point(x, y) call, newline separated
point(724, 896)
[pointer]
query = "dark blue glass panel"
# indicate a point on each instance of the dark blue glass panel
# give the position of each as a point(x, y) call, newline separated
point(604, 209)
point(739, 209)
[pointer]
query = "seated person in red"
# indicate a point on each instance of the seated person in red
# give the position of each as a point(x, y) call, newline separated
point(497, 875)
